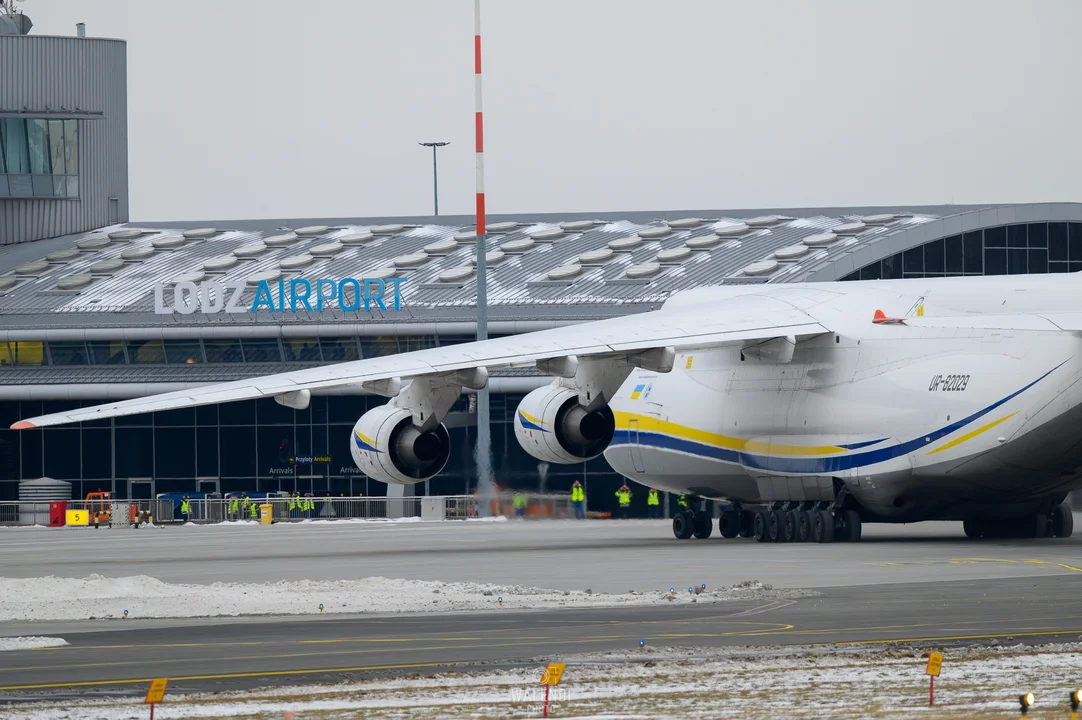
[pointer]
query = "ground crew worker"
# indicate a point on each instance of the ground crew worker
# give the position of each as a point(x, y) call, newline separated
point(653, 504)
point(520, 505)
point(234, 508)
point(246, 503)
point(624, 496)
point(255, 511)
point(292, 504)
point(309, 505)
point(578, 500)
point(186, 508)
point(682, 501)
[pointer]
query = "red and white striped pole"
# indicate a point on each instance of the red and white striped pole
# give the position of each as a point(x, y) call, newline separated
point(483, 449)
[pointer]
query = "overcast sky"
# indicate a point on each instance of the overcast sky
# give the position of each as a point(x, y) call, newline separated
point(291, 108)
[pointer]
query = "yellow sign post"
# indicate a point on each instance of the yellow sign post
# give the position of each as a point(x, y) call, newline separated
point(78, 517)
point(935, 662)
point(552, 675)
point(155, 694)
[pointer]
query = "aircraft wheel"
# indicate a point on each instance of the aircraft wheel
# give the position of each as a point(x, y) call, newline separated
point(729, 524)
point(1034, 526)
point(823, 530)
point(682, 525)
point(1062, 521)
point(789, 528)
point(762, 522)
point(852, 524)
point(805, 522)
point(747, 523)
point(973, 528)
point(776, 526)
point(703, 525)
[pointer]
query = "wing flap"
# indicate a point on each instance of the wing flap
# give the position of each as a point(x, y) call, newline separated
point(736, 319)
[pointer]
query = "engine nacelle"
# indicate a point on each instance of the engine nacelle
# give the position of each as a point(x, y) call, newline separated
point(387, 446)
point(551, 425)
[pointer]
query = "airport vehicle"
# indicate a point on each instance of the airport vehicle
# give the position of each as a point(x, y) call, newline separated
point(100, 505)
point(823, 406)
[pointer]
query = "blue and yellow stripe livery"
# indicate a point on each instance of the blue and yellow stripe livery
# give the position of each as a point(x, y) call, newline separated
point(793, 459)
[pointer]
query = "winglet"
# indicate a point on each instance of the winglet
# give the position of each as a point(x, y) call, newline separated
point(880, 318)
point(22, 425)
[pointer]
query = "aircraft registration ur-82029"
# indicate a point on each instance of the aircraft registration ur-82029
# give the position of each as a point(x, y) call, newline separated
point(809, 408)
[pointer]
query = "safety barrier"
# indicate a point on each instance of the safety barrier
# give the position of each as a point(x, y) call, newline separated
point(122, 512)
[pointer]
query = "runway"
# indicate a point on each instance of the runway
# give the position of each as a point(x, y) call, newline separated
point(924, 584)
point(606, 556)
point(218, 655)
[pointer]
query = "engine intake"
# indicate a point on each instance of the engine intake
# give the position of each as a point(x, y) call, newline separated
point(551, 425)
point(387, 446)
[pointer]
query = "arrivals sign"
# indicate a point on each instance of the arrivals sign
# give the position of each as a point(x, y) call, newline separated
point(297, 294)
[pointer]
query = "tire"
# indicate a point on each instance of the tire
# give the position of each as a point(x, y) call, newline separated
point(823, 531)
point(792, 519)
point(775, 525)
point(853, 529)
point(1034, 526)
point(973, 528)
point(804, 526)
point(729, 524)
point(1062, 521)
point(703, 525)
point(747, 523)
point(760, 525)
point(682, 526)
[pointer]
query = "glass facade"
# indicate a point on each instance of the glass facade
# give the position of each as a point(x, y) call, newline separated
point(217, 351)
point(258, 446)
point(1024, 248)
point(39, 158)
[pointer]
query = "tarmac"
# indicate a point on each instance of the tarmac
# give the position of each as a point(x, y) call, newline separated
point(605, 556)
point(924, 584)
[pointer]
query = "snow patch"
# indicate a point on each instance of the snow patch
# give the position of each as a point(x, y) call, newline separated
point(30, 643)
point(98, 597)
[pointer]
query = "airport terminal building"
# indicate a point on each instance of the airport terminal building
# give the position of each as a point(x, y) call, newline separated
point(93, 316)
point(93, 307)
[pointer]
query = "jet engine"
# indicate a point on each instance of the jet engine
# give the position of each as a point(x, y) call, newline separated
point(551, 425)
point(387, 446)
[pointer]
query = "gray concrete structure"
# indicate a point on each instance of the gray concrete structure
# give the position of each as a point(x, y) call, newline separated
point(72, 174)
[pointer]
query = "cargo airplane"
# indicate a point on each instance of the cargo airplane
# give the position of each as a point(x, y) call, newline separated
point(808, 409)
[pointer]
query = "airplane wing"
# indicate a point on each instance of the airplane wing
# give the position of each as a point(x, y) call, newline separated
point(728, 320)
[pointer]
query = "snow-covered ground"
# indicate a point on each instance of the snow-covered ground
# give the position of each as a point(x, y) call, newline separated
point(30, 643)
point(98, 597)
point(749, 683)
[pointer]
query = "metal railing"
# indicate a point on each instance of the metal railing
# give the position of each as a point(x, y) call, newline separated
point(284, 509)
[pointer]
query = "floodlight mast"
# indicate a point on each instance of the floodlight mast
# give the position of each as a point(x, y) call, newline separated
point(435, 176)
point(484, 436)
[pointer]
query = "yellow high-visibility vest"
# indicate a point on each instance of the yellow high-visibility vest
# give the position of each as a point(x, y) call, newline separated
point(624, 496)
point(578, 494)
point(652, 499)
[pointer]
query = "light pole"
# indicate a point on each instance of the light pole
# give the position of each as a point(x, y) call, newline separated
point(435, 176)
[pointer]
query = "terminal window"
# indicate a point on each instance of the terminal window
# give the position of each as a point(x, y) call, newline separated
point(39, 158)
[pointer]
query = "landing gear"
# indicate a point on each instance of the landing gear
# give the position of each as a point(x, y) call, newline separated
point(789, 529)
point(1062, 521)
point(747, 523)
point(1058, 522)
point(729, 524)
point(850, 525)
point(823, 527)
point(761, 525)
point(806, 521)
point(702, 524)
point(776, 526)
point(682, 525)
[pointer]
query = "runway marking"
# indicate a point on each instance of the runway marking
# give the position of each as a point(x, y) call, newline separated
point(940, 638)
point(515, 643)
point(977, 561)
point(233, 676)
